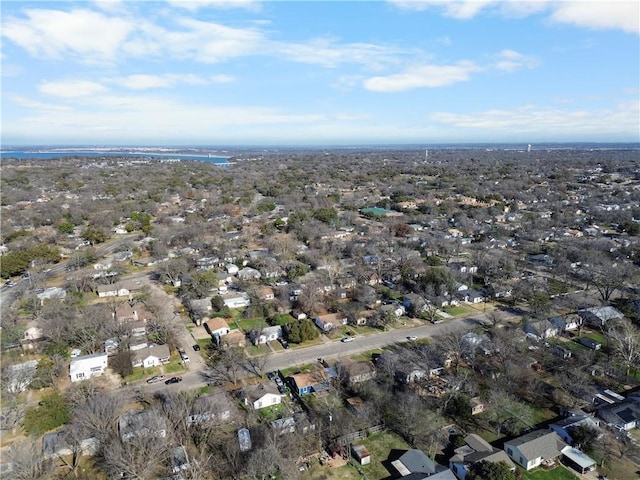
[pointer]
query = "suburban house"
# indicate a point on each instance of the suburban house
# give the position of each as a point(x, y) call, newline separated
point(265, 293)
point(474, 450)
point(540, 330)
point(358, 372)
point(410, 374)
point(567, 323)
point(51, 293)
point(575, 419)
point(540, 447)
point(59, 444)
point(248, 273)
point(599, 316)
point(623, 415)
point(476, 342)
point(417, 465)
point(87, 366)
point(414, 303)
point(262, 395)
point(361, 317)
point(217, 327)
point(141, 423)
point(472, 296)
point(306, 383)
point(150, 356)
point(231, 268)
point(113, 290)
point(216, 406)
point(236, 300)
point(267, 334)
point(32, 338)
point(330, 321)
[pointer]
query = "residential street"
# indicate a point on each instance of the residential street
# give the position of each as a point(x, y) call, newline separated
point(195, 377)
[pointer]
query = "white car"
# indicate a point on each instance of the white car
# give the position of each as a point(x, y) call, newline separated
point(413, 338)
point(347, 339)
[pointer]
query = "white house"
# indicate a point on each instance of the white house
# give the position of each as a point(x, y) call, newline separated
point(87, 366)
point(150, 356)
point(236, 300)
point(267, 334)
point(231, 268)
point(262, 395)
point(217, 327)
point(535, 448)
point(50, 293)
point(330, 321)
point(540, 330)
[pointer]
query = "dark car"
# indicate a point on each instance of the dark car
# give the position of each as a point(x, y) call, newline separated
point(284, 343)
point(196, 347)
point(173, 380)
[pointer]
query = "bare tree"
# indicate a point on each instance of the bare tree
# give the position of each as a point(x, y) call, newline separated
point(624, 338)
point(96, 412)
point(28, 462)
point(139, 458)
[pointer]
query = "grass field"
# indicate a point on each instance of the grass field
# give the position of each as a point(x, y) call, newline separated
point(558, 473)
point(380, 445)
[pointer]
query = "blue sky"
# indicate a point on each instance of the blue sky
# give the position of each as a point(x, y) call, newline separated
point(319, 73)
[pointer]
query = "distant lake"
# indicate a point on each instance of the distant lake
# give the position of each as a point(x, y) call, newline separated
point(45, 155)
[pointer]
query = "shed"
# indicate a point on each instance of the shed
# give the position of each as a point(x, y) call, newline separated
point(244, 439)
point(361, 454)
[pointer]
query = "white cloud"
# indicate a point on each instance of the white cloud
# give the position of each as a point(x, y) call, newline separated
point(456, 9)
point(329, 53)
point(57, 34)
point(426, 76)
point(510, 61)
point(599, 14)
point(622, 15)
point(71, 88)
point(222, 78)
point(167, 80)
point(193, 5)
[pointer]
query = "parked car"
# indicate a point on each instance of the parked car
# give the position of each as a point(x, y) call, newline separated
point(10, 284)
point(155, 379)
point(196, 347)
point(412, 338)
point(173, 380)
point(184, 357)
point(284, 343)
point(347, 339)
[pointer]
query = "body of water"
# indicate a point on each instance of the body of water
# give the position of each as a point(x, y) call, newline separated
point(46, 155)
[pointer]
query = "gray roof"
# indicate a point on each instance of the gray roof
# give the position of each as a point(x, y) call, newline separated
point(416, 461)
point(578, 457)
point(539, 443)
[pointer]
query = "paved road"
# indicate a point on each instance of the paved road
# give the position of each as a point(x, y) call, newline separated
point(195, 376)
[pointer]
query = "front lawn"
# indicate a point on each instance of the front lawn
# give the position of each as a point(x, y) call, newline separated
point(558, 473)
